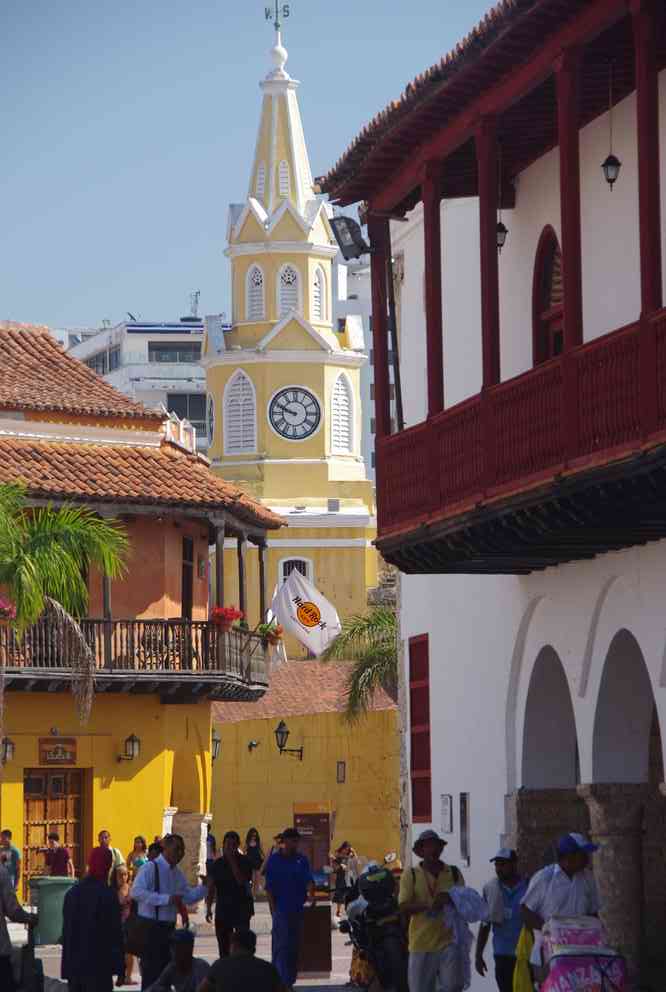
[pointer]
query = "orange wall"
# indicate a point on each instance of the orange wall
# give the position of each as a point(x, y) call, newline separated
point(151, 589)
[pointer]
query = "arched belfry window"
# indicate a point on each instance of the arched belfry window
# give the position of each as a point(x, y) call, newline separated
point(547, 298)
point(240, 415)
point(284, 185)
point(288, 291)
point(319, 295)
point(342, 417)
point(254, 294)
point(260, 186)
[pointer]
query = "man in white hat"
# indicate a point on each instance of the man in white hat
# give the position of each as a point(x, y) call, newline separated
point(504, 895)
point(434, 964)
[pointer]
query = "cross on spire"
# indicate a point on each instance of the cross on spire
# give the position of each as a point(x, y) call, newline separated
point(281, 11)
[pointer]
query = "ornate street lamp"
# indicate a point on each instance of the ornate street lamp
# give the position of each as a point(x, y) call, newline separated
point(611, 165)
point(132, 748)
point(349, 236)
point(215, 744)
point(281, 738)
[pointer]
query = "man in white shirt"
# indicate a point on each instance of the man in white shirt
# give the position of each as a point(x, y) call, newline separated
point(563, 889)
point(161, 892)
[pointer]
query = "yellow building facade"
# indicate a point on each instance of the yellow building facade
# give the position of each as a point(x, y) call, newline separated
point(284, 397)
point(348, 770)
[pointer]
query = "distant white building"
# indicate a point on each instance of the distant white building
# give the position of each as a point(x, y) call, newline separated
point(156, 363)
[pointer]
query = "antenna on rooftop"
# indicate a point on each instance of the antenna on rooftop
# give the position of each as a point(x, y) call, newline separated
point(194, 303)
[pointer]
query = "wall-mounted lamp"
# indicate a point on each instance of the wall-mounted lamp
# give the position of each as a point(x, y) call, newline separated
point(252, 745)
point(7, 751)
point(215, 744)
point(132, 748)
point(281, 738)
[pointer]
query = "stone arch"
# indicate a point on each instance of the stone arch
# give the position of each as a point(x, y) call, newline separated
point(624, 715)
point(511, 719)
point(550, 742)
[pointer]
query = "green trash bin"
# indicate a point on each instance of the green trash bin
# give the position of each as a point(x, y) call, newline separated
point(47, 894)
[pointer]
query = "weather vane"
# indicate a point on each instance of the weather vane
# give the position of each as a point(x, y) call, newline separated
point(281, 11)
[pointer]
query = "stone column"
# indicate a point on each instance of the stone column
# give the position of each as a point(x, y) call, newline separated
point(192, 828)
point(653, 962)
point(616, 824)
point(537, 818)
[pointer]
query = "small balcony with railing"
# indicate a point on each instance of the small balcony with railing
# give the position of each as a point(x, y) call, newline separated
point(176, 659)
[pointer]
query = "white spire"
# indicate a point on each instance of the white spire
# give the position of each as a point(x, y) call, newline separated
point(279, 56)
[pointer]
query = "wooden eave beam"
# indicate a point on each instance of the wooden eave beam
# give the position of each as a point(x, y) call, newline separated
point(579, 30)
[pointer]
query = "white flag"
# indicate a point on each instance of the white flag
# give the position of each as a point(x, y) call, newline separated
point(305, 613)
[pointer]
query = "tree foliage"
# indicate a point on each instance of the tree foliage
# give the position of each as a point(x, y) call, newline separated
point(369, 642)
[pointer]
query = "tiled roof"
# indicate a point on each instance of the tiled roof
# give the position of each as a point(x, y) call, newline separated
point(498, 19)
point(37, 374)
point(298, 688)
point(122, 473)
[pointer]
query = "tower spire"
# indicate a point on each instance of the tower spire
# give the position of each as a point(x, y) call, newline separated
point(278, 52)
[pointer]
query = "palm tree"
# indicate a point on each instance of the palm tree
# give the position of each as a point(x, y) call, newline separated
point(370, 641)
point(45, 555)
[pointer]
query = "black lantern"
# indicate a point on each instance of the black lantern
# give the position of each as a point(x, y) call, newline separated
point(7, 752)
point(349, 236)
point(502, 231)
point(611, 165)
point(281, 738)
point(215, 744)
point(132, 748)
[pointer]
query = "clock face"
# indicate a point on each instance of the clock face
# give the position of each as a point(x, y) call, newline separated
point(294, 413)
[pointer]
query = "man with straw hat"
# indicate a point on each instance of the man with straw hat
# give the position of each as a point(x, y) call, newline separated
point(434, 963)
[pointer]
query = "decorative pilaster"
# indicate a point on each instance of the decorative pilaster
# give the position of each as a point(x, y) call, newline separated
point(616, 824)
point(192, 828)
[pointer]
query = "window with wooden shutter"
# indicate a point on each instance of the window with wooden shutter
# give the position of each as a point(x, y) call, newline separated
point(260, 187)
point(288, 290)
point(240, 416)
point(419, 720)
point(283, 178)
point(341, 416)
point(318, 296)
point(254, 305)
point(547, 299)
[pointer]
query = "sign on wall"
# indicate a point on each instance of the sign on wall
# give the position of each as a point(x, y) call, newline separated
point(57, 750)
point(447, 814)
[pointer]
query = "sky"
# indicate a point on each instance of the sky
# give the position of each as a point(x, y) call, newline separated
point(127, 128)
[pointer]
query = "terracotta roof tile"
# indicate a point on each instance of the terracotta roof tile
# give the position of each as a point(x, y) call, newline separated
point(298, 688)
point(121, 473)
point(496, 21)
point(37, 374)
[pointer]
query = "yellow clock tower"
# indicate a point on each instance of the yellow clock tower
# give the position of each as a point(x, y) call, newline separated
point(284, 398)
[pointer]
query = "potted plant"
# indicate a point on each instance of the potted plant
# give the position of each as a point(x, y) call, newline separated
point(225, 616)
point(273, 632)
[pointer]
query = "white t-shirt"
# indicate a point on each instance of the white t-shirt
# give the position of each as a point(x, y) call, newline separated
point(552, 893)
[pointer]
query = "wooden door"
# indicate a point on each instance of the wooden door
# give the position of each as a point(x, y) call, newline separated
point(53, 801)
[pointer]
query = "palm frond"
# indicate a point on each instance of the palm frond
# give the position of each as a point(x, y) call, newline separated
point(377, 670)
point(377, 627)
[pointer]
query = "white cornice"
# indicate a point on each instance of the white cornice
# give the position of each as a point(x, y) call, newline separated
point(308, 542)
point(347, 359)
point(282, 248)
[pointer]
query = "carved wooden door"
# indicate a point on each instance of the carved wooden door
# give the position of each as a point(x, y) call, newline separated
point(53, 801)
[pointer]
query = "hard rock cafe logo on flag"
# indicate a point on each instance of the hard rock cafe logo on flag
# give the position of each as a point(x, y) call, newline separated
point(305, 613)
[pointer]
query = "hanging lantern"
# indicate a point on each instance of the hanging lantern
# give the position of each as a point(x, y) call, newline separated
point(611, 165)
point(502, 231)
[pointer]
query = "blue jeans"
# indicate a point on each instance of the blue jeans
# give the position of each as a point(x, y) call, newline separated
point(286, 943)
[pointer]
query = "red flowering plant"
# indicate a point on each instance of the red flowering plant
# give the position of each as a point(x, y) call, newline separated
point(225, 615)
point(7, 610)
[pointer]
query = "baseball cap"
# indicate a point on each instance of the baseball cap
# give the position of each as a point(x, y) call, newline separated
point(505, 854)
point(571, 843)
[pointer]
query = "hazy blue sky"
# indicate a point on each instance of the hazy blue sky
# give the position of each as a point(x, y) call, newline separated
point(126, 129)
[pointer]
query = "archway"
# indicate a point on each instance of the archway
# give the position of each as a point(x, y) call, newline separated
point(550, 745)
point(624, 721)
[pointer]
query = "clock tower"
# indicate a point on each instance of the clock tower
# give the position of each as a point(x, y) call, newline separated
point(284, 398)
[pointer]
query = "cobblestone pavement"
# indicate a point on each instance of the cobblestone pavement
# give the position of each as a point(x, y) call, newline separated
point(206, 947)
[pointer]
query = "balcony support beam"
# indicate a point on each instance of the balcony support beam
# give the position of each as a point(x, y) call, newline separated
point(220, 530)
point(486, 156)
point(644, 19)
point(241, 548)
point(379, 239)
point(567, 75)
point(261, 548)
point(431, 196)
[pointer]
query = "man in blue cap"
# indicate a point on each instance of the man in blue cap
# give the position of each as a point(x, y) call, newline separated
point(503, 895)
point(566, 888)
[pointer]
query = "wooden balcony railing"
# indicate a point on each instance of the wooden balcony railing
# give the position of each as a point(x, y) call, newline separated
point(189, 648)
point(580, 408)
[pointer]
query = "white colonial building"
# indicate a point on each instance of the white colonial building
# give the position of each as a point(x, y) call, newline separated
point(525, 502)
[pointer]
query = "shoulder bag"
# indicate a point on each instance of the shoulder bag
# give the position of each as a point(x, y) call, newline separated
point(139, 931)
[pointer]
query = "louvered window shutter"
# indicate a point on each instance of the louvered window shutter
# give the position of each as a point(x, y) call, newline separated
point(240, 427)
point(318, 296)
point(288, 290)
point(419, 719)
point(341, 417)
point(283, 178)
point(255, 294)
point(261, 181)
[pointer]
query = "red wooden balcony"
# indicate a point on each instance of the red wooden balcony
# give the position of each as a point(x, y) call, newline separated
point(175, 658)
point(561, 463)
